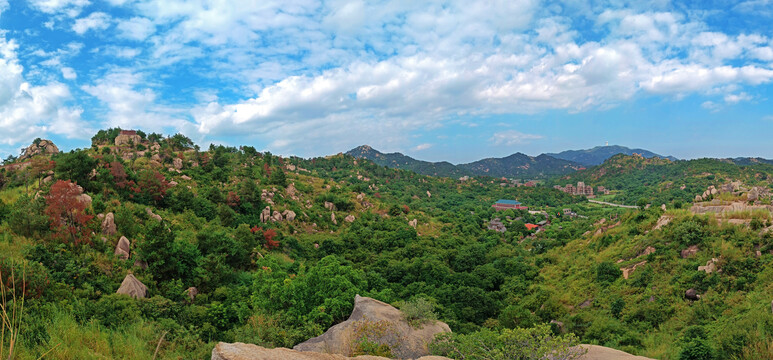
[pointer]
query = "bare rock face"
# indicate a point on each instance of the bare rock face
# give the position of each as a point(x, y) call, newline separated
point(108, 224)
point(123, 248)
point(44, 147)
point(405, 341)
point(240, 351)
point(178, 163)
point(133, 287)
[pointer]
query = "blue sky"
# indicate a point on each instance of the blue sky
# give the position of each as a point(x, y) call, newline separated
point(438, 80)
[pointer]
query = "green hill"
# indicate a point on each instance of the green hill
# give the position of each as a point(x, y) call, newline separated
point(599, 154)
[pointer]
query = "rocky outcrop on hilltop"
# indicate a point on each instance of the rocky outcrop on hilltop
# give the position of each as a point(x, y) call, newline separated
point(40, 146)
point(405, 341)
point(239, 351)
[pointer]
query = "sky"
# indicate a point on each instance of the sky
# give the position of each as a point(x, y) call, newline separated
point(437, 80)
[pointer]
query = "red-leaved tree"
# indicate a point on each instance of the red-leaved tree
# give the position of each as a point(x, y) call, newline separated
point(119, 174)
point(152, 184)
point(67, 211)
point(269, 235)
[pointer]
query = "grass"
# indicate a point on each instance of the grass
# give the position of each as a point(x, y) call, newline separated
point(11, 314)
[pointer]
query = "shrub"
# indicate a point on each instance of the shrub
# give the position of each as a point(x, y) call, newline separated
point(526, 344)
point(418, 311)
point(697, 349)
point(607, 272)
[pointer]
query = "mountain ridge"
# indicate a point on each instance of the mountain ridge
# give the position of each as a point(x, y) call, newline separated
point(597, 155)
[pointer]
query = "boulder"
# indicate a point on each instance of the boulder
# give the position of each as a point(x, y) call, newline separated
point(691, 294)
point(405, 341)
point(173, 183)
point(289, 215)
point(192, 292)
point(276, 216)
point(690, 251)
point(710, 266)
point(140, 264)
point(133, 287)
point(753, 194)
point(627, 271)
point(333, 218)
point(152, 215)
point(156, 157)
point(178, 163)
point(596, 352)
point(108, 224)
point(698, 198)
point(330, 206)
point(349, 219)
point(85, 198)
point(429, 194)
point(123, 248)
point(241, 351)
point(663, 207)
point(265, 215)
point(413, 223)
point(185, 177)
point(48, 179)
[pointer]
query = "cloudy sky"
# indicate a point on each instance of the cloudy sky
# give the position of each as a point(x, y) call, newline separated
point(438, 80)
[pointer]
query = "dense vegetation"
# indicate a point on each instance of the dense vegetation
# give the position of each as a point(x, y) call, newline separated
point(277, 283)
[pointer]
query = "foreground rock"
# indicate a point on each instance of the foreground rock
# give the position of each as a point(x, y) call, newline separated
point(133, 287)
point(239, 351)
point(405, 341)
point(596, 352)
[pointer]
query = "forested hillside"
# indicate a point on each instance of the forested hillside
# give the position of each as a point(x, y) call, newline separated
point(157, 245)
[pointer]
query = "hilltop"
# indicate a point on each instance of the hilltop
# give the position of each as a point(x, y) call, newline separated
point(599, 154)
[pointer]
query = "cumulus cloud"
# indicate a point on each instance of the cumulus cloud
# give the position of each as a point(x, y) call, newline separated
point(69, 7)
point(69, 73)
point(421, 147)
point(132, 105)
point(136, 28)
point(95, 21)
point(30, 110)
point(512, 137)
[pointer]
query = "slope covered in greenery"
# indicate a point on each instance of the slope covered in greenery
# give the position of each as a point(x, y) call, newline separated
point(661, 181)
point(193, 220)
point(599, 154)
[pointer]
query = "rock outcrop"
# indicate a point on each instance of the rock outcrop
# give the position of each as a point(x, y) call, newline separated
point(405, 341)
point(44, 147)
point(133, 287)
point(108, 225)
point(349, 218)
point(240, 351)
point(123, 248)
point(413, 223)
point(127, 137)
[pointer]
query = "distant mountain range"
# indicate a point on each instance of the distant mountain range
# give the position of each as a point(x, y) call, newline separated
point(517, 165)
point(599, 154)
point(749, 161)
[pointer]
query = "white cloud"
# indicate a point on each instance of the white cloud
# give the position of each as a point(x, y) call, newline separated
point(736, 98)
point(70, 7)
point(711, 106)
point(512, 137)
point(95, 21)
point(421, 147)
point(136, 28)
point(3, 6)
point(28, 111)
point(69, 73)
point(130, 105)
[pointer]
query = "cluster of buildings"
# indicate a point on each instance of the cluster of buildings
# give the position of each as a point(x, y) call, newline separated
point(581, 189)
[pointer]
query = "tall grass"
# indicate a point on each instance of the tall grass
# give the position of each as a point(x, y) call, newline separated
point(11, 314)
